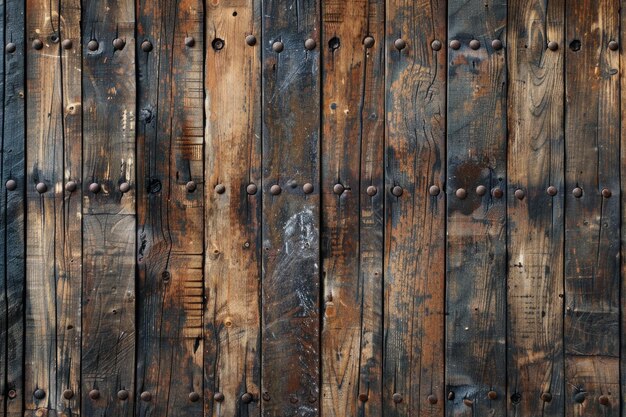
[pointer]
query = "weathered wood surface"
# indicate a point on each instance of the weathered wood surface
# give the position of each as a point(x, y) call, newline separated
point(170, 200)
point(108, 81)
point(592, 218)
point(233, 189)
point(476, 245)
point(535, 223)
point(414, 210)
point(290, 229)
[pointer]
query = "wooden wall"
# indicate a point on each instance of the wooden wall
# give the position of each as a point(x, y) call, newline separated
point(312, 208)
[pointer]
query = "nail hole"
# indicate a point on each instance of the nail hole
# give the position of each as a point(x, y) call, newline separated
point(516, 398)
point(574, 45)
point(334, 43)
point(234, 13)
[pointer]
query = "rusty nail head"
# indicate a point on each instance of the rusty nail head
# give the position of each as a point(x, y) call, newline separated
point(604, 399)
point(146, 46)
point(577, 192)
point(266, 396)
point(520, 194)
point(613, 45)
point(11, 47)
point(400, 44)
point(190, 41)
point(12, 393)
point(461, 194)
point(119, 43)
point(397, 398)
point(68, 394)
point(251, 189)
point(455, 44)
point(606, 193)
point(94, 394)
point(338, 189)
point(553, 46)
point(11, 185)
point(190, 186)
point(220, 188)
point(497, 192)
point(194, 396)
point(432, 399)
point(39, 394)
point(275, 189)
point(66, 44)
point(492, 395)
point(278, 46)
point(146, 396)
point(546, 397)
point(579, 397)
point(293, 399)
point(474, 44)
point(468, 402)
point(397, 191)
point(481, 190)
point(41, 187)
point(307, 188)
point(552, 190)
point(93, 45)
point(251, 40)
point(434, 190)
point(451, 396)
point(310, 44)
point(496, 44)
point(124, 187)
point(363, 397)
point(436, 45)
point(122, 395)
point(246, 398)
point(368, 41)
point(37, 44)
point(219, 397)
point(70, 186)
point(372, 190)
point(94, 187)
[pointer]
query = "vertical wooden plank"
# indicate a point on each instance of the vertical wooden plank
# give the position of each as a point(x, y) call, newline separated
point(352, 229)
point(169, 207)
point(14, 183)
point(108, 82)
point(592, 214)
point(535, 223)
point(476, 216)
point(290, 288)
point(414, 208)
point(233, 215)
point(4, 390)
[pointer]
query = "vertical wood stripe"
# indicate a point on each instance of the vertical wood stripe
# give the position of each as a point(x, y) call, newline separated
point(351, 242)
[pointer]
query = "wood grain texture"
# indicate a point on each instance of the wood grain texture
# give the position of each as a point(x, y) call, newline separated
point(592, 222)
point(535, 224)
point(290, 231)
point(476, 244)
point(13, 209)
point(108, 82)
point(351, 242)
point(169, 209)
point(233, 215)
point(414, 219)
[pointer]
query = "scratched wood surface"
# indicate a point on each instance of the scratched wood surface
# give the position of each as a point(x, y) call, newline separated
point(169, 208)
point(535, 223)
point(414, 209)
point(233, 190)
point(592, 210)
point(351, 240)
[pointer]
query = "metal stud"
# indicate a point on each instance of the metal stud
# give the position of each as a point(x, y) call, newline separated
point(191, 186)
point(190, 41)
point(496, 44)
point(70, 186)
point(553, 46)
point(546, 397)
point(94, 394)
point(310, 44)
point(246, 398)
point(219, 397)
point(497, 192)
point(400, 44)
point(481, 190)
point(11, 185)
point(461, 194)
point(604, 400)
point(251, 189)
point(38, 44)
point(275, 189)
point(455, 44)
point(580, 396)
point(552, 190)
point(613, 45)
point(492, 395)
point(251, 40)
point(124, 187)
point(436, 45)
point(368, 41)
point(307, 188)
point(39, 394)
point(397, 398)
point(12, 393)
point(94, 187)
point(450, 396)
point(220, 188)
point(606, 193)
point(468, 402)
point(146, 46)
point(397, 191)
point(372, 190)
point(432, 399)
point(68, 394)
point(474, 44)
point(278, 47)
point(146, 396)
point(338, 189)
point(11, 47)
point(67, 44)
point(194, 397)
point(119, 43)
point(122, 395)
point(520, 194)
point(41, 187)
point(577, 192)
point(363, 397)
point(93, 45)
point(434, 190)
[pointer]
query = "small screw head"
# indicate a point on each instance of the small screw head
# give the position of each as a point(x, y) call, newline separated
point(190, 41)
point(122, 395)
point(246, 398)
point(546, 397)
point(497, 192)
point(194, 397)
point(553, 46)
point(93, 45)
point(496, 44)
point(400, 44)
point(70, 186)
point(68, 394)
point(124, 187)
point(94, 394)
point(39, 394)
point(461, 194)
point(278, 47)
point(146, 396)
point(492, 395)
point(37, 44)
point(275, 189)
point(520, 194)
point(310, 44)
point(613, 45)
point(468, 402)
point(338, 189)
point(12, 393)
point(307, 188)
point(434, 190)
point(577, 192)
point(372, 190)
point(251, 40)
point(481, 190)
point(363, 397)
point(218, 44)
point(94, 187)
point(397, 191)
point(606, 193)
point(368, 41)
point(551, 190)
point(432, 399)
point(41, 187)
point(190, 186)
point(455, 44)
point(397, 398)
point(251, 189)
point(474, 44)
point(11, 47)
point(11, 185)
point(146, 46)
point(119, 43)
point(580, 396)
point(436, 45)
point(219, 397)
point(604, 399)
point(220, 188)
point(67, 44)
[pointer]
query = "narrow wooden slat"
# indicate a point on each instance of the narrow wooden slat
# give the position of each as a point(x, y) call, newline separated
point(108, 81)
point(169, 208)
point(13, 205)
point(4, 398)
point(535, 223)
point(476, 225)
point(352, 79)
point(414, 216)
point(592, 221)
point(233, 215)
point(290, 287)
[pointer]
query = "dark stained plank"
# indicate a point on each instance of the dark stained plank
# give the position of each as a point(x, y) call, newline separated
point(592, 220)
point(290, 236)
point(351, 249)
point(535, 223)
point(233, 214)
point(169, 207)
point(13, 209)
point(108, 82)
point(476, 225)
point(414, 208)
